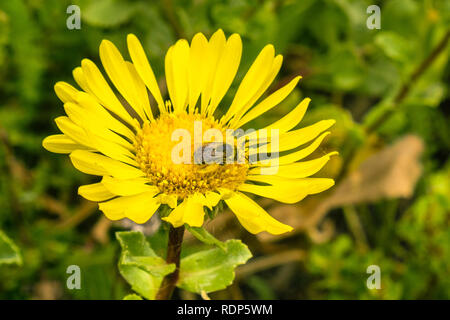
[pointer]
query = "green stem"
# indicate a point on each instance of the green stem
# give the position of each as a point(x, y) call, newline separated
point(173, 256)
point(169, 11)
point(404, 90)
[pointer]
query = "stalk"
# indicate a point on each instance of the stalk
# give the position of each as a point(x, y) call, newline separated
point(173, 256)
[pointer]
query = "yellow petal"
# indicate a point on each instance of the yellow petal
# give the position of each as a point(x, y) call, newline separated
point(254, 218)
point(112, 149)
point(141, 211)
point(198, 69)
point(84, 162)
point(225, 193)
point(216, 46)
point(271, 75)
point(141, 91)
point(226, 70)
point(297, 155)
point(293, 139)
point(194, 213)
point(119, 74)
point(138, 208)
point(293, 118)
point(59, 143)
point(268, 103)
point(97, 164)
point(287, 190)
point(144, 69)
point(65, 91)
point(295, 170)
point(85, 119)
point(95, 192)
point(212, 199)
point(78, 75)
point(189, 212)
point(253, 80)
point(102, 90)
point(177, 61)
point(73, 131)
point(169, 199)
point(128, 187)
point(175, 218)
point(168, 64)
point(99, 113)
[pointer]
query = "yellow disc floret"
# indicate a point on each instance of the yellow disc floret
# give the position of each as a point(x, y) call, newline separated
point(154, 153)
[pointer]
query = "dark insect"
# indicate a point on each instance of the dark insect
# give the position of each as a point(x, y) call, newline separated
point(214, 153)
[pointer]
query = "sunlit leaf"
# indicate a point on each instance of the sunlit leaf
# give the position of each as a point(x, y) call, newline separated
point(139, 264)
point(132, 297)
point(206, 237)
point(9, 252)
point(108, 13)
point(213, 269)
point(393, 45)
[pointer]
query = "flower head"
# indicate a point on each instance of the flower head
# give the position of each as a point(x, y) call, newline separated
point(169, 154)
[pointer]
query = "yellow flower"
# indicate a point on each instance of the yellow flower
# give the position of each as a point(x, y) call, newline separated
point(115, 134)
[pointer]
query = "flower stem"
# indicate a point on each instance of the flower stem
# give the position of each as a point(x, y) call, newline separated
point(173, 256)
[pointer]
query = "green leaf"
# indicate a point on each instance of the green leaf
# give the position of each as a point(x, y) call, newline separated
point(393, 45)
point(213, 269)
point(206, 237)
point(132, 297)
point(140, 265)
point(108, 13)
point(9, 252)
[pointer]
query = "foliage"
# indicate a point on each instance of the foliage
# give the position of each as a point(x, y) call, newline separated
point(139, 264)
point(414, 267)
point(203, 271)
point(212, 270)
point(9, 253)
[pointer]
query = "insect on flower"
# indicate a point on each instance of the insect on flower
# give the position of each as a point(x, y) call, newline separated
point(213, 154)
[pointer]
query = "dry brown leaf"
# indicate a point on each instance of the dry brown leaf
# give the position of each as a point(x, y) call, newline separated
point(390, 173)
point(47, 290)
point(100, 230)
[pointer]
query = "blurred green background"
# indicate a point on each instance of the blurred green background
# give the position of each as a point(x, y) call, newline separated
point(388, 89)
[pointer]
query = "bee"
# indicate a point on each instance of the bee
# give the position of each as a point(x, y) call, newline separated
point(214, 154)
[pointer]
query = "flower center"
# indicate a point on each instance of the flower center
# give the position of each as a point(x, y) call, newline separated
point(160, 143)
